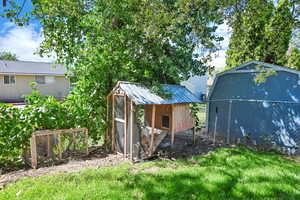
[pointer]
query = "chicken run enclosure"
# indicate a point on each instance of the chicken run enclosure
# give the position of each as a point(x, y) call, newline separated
point(54, 146)
point(140, 119)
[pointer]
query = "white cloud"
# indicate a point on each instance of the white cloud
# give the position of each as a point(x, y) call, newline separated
point(22, 41)
point(219, 59)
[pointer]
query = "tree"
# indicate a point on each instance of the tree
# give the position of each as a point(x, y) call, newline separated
point(7, 56)
point(247, 39)
point(294, 59)
point(146, 41)
point(278, 34)
point(261, 31)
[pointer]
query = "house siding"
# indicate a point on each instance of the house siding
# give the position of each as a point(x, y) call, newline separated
point(59, 88)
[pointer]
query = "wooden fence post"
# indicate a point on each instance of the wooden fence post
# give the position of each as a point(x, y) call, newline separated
point(33, 151)
point(87, 141)
point(152, 129)
point(59, 146)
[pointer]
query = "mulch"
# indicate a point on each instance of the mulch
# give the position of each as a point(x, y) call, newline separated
point(184, 147)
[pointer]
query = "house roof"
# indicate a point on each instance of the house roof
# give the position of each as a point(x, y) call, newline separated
point(141, 95)
point(31, 68)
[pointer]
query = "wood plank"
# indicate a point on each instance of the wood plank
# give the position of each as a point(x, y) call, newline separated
point(87, 141)
point(59, 146)
point(113, 124)
point(49, 146)
point(152, 129)
point(56, 132)
point(34, 161)
point(125, 126)
point(131, 130)
point(173, 125)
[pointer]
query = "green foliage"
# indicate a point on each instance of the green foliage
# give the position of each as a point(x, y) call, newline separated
point(263, 74)
point(294, 59)
point(228, 173)
point(151, 42)
point(7, 56)
point(17, 124)
point(262, 32)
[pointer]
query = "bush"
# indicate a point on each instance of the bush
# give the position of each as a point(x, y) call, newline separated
point(17, 124)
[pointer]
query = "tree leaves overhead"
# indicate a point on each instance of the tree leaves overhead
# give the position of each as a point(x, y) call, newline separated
point(147, 41)
point(262, 30)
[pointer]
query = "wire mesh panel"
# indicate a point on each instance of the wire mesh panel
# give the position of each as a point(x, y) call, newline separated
point(120, 136)
point(56, 146)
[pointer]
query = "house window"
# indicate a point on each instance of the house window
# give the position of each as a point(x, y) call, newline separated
point(40, 79)
point(9, 79)
point(165, 121)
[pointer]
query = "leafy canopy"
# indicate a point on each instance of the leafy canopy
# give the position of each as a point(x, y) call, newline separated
point(262, 31)
point(146, 41)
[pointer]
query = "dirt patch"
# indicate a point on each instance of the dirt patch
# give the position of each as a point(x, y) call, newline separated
point(98, 158)
point(185, 146)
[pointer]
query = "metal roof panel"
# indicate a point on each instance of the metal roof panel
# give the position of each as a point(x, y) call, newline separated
point(141, 95)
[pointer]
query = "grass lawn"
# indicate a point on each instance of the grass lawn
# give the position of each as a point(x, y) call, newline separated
point(227, 173)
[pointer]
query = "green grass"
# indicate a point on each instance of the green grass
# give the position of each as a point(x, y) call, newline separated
point(227, 173)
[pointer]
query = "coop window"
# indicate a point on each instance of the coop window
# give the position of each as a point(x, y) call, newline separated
point(165, 121)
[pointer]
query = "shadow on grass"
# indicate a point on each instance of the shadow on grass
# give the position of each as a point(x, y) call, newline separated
point(226, 173)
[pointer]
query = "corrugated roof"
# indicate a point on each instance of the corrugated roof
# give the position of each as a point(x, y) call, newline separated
point(28, 67)
point(141, 95)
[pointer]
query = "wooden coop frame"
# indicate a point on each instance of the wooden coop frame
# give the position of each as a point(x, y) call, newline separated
point(161, 117)
point(49, 133)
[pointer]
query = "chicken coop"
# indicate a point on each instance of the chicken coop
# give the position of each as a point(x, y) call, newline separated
point(140, 119)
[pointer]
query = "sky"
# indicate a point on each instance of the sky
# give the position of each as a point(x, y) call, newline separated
point(25, 41)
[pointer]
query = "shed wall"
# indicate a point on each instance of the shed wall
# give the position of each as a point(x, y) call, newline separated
point(183, 119)
point(161, 110)
point(269, 112)
point(261, 121)
point(280, 87)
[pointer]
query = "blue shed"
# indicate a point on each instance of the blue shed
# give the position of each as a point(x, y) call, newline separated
point(266, 112)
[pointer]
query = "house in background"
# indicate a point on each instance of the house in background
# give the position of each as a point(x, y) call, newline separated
point(197, 85)
point(267, 112)
point(15, 77)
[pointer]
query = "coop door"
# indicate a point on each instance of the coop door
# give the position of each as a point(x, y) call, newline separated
point(119, 121)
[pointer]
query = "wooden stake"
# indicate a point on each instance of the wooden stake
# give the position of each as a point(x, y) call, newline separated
point(215, 130)
point(152, 129)
point(125, 126)
point(194, 136)
point(172, 129)
point(87, 141)
point(228, 122)
point(113, 124)
point(34, 160)
point(49, 146)
point(59, 146)
point(131, 130)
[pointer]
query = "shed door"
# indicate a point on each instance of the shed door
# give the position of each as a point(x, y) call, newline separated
point(119, 121)
point(219, 120)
